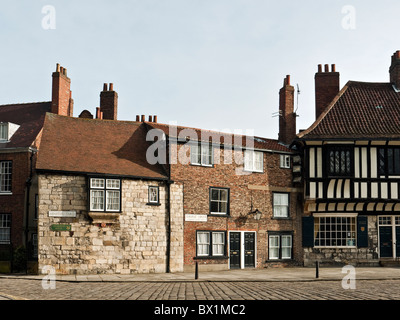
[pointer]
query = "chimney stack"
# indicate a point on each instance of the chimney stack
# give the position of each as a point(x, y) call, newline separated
point(109, 102)
point(61, 96)
point(394, 70)
point(326, 88)
point(287, 116)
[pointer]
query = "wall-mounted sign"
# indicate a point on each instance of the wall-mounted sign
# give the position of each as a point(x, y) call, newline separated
point(60, 227)
point(196, 217)
point(62, 214)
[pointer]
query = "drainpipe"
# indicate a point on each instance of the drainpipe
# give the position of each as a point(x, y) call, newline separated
point(168, 269)
point(27, 205)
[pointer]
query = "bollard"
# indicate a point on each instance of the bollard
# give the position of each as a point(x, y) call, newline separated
point(317, 269)
point(196, 273)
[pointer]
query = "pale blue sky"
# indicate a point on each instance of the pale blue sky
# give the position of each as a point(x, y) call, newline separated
point(212, 64)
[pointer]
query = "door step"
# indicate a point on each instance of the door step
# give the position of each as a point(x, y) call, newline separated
point(392, 263)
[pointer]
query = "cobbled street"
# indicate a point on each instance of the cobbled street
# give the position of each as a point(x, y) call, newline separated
point(16, 289)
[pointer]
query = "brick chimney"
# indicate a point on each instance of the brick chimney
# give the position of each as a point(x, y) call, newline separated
point(326, 88)
point(109, 102)
point(61, 99)
point(394, 69)
point(287, 116)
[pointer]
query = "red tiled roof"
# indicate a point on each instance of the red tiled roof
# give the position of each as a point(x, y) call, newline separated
point(360, 110)
point(222, 138)
point(30, 117)
point(95, 146)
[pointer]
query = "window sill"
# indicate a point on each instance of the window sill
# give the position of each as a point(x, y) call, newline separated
point(5, 193)
point(103, 217)
point(211, 257)
point(279, 260)
point(222, 215)
point(153, 204)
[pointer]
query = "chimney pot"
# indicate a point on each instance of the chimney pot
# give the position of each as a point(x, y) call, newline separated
point(105, 87)
point(319, 68)
point(111, 87)
point(333, 68)
point(143, 118)
point(326, 68)
point(155, 119)
point(137, 118)
point(58, 67)
point(150, 119)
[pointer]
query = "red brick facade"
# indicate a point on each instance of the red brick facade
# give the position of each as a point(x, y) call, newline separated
point(326, 88)
point(246, 193)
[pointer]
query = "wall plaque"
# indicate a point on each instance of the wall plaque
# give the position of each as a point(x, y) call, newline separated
point(60, 227)
point(196, 217)
point(62, 214)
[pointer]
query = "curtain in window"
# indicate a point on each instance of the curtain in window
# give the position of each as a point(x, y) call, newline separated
point(274, 247)
point(203, 243)
point(286, 246)
point(218, 243)
point(281, 204)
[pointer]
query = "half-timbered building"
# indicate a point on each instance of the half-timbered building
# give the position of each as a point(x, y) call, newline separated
point(351, 170)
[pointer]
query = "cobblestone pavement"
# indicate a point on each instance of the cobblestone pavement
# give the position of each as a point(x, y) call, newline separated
point(16, 289)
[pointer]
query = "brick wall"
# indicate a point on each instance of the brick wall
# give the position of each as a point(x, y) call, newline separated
point(245, 190)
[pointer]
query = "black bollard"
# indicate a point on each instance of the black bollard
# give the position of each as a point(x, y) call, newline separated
point(317, 269)
point(196, 273)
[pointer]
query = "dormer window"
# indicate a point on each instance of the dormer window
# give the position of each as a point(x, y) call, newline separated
point(7, 129)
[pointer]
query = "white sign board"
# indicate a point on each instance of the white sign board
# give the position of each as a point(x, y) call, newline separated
point(62, 214)
point(196, 217)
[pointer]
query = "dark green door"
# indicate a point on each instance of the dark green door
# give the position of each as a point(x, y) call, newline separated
point(385, 242)
point(234, 250)
point(249, 245)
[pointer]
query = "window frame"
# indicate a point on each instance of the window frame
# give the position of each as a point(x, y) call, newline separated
point(150, 202)
point(347, 161)
point(323, 236)
point(211, 200)
point(105, 188)
point(210, 254)
point(285, 161)
point(200, 146)
point(4, 129)
point(4, 226)
point(10, 174)
point(274, 216)
point(387, 165)
point(279, 235)
point(250, 166)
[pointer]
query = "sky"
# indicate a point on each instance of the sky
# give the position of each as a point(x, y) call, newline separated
point(210, 64)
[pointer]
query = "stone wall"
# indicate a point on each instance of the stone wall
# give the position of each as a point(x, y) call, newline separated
point(136, 242)
point(347, 256)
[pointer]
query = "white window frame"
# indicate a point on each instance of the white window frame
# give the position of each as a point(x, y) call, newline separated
point(253, 161)
point(204, 151)
point(5, 228)
point(350, 240)
point(275, 251)
point(108, 187)
point(6, 168)
point(210, 250)
point(152, 201)
point(3, 131)
point(285, 161)
point(219, 201)
point(277, 205)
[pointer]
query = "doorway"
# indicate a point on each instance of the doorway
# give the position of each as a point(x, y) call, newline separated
point(389, 236)
point(242, 249)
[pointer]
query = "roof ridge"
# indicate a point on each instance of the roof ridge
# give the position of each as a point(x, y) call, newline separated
point(23, 103)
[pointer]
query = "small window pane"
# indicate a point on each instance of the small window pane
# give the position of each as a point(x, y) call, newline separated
point(113, 183)
point(97, 199)
point(218, 240)
point(203, 243)
point(97, 183)
point(113, 200)
point(153, 194)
